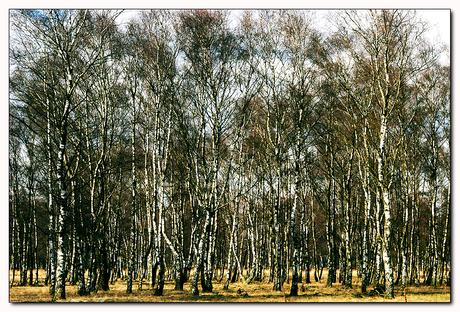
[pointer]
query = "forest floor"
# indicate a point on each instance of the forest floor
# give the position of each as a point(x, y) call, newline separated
point(256, 292)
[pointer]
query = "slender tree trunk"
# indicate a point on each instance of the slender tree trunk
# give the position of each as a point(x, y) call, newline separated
point(252, 240)
point(387, 263)
point(211, 252)
point(35, 251)
point(23, 234)
point(404, 239)
point(412, 244)
point(277, 233)
point(160, 240)
point(132, 252)
point(104, 269)
point(385, 193)
point(103, 235)
point(348, 243)
point(367, 209)
point(73, 236)
point(52, 226)
point(230, 250)
point(365, 177)
point(313, 235)
point(151, 224)
point(161, 261)
point(13, 242)
point(331, 278)
point(378, 239)
point(89, 277)
point(306, 230)
point(295, 239)
point(445, 246)
point(199, 257)
point(81, 267)
point(62, 217)
point(433, 230)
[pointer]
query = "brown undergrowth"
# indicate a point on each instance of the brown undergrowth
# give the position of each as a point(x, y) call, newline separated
point(254, 292)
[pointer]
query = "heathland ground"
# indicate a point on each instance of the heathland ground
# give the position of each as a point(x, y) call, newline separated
point(237, 292)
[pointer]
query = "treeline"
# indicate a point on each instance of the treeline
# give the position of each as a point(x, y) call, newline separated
point(191, 146)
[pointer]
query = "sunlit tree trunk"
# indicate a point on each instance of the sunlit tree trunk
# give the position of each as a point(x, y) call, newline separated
point(132, 251)
point(348, 221)
point(364, 165)
point(199, 256)
point(230, 249)
point(295, 238)
point(277, 232)
point(51, 226)
point(61, 251)
point(378, 239)
point(160, 243)
point(385, 199)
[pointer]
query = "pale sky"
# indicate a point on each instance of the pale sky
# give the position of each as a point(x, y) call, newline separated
point(439, 20)
point(440, 32)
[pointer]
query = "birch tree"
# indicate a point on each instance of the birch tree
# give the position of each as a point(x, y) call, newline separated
point(64, 34)
point(185, 142)
point(304, 114)
point(437, 139)
point(208, 53)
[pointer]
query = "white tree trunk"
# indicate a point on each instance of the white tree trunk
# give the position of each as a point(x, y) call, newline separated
point(384, 188)
point(62, 218)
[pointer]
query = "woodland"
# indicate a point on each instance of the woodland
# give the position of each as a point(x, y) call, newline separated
point(215, 147)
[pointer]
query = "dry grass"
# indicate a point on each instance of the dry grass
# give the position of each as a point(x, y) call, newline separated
point(257, 292)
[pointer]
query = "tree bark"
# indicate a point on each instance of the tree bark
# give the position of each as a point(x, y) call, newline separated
point(51, 226)
point(61, 253)
point(199, 257)
point(295, 239)
point(132, 252)
point(385, 193)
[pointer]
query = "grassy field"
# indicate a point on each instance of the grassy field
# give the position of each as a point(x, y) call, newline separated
point(256, 292)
